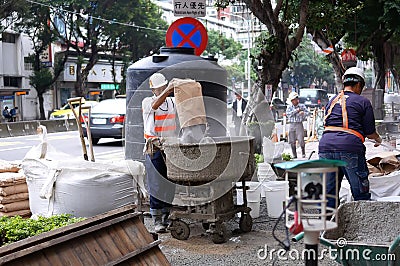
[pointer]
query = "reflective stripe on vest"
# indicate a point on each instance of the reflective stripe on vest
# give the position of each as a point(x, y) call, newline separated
point(341, 97)
point(149, 136)
point(165, 116)
point(164, 120)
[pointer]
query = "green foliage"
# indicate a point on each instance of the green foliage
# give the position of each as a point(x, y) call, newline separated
point(308, 66)
point(16, 228)
point(40, 79)
point(286, 157)
point(235, 71)
point(259, 158)
point(265, 43)
point(320, 15)
point(221, 45)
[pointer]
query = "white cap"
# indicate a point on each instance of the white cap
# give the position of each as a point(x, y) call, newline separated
point(354, 71)
point(157, 80)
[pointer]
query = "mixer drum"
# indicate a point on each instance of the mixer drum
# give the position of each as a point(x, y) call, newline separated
point(198, 163)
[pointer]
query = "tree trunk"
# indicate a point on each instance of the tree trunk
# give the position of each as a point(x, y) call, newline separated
point(78, 85)
point(379, 65)
point(42, 115)
point(323, 42)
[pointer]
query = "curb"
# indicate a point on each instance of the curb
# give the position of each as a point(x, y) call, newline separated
point(4, 133)
point(24, 128)
point(16, 129)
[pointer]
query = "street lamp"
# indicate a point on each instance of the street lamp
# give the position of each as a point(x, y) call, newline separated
point(248, 46)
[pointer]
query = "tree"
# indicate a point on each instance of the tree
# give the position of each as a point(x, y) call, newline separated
point(110, 27)
point(285, 23)
point(307, 66)
point(329, 35)
point(227, 49)
point(8, 12)
point(34, 21)
point(133, 43)
point(220, 45)
point(120, 29)
point(376, 35)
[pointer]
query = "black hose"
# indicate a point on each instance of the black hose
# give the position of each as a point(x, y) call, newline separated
point(286, 242)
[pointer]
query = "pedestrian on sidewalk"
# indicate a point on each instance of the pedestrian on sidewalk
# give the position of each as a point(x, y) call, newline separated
point(159, 113)
point(13, 114)
point(6, 114)
point(238, 106)
point(296, 113)
point(349, 118)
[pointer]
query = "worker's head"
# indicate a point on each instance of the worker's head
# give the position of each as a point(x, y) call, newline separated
point(238, 96)
point(354, 77)
point(293, 98)
point(6, 107)
point(157, 83)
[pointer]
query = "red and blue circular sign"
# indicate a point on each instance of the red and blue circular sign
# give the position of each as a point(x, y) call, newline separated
point(187, 32)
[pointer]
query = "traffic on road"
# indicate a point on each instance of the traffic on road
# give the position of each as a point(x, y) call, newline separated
point(15, 148)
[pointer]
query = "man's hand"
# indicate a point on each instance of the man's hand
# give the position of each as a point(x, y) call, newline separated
point(378, 141)
point(170, 89)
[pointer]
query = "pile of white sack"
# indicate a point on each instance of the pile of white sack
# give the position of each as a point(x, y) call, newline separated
point(14, 197)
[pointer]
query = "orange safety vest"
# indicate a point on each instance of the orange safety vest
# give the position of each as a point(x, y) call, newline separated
point(345, 128)
point(164, 121)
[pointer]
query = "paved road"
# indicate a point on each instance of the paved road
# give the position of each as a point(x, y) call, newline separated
point(15, 148)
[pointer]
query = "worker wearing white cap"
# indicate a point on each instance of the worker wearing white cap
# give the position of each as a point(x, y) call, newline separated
point(349, 118)
point(296, 113)
point(159, 113)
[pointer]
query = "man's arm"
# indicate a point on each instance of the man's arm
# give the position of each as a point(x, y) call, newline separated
point(305, 110)
point(290, 111)
point(161, 98)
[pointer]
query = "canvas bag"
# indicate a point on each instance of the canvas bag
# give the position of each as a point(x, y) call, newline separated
point(189, 102)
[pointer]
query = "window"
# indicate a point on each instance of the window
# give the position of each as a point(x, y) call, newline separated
point(28, 63)
point(11, 81)
point(8, 37)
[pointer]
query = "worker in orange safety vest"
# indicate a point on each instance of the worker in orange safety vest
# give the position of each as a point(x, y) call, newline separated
point(349, 119)
point(159, 113)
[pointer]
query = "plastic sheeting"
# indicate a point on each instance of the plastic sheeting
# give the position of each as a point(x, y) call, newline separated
point(272, 150)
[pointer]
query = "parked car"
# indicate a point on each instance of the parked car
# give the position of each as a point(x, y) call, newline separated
point(278, 108)
point(107, 120)
point(313, 97)
point(66, 113)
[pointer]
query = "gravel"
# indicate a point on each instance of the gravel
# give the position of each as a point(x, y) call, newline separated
point(368, 222)
point(253, 248)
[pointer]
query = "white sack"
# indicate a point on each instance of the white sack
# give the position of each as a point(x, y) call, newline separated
point(80, 188)
point(58, 183)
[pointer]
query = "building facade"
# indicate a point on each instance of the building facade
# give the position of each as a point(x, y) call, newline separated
point(15, 70)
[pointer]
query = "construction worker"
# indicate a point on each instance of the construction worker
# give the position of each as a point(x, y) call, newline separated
point(349, 118)
point(296, 113)
point(159, 121)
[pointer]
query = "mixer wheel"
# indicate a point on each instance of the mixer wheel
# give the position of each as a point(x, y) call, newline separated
point(205, 225)
point(246, 222)
point(219, 235)
point(179, 230)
